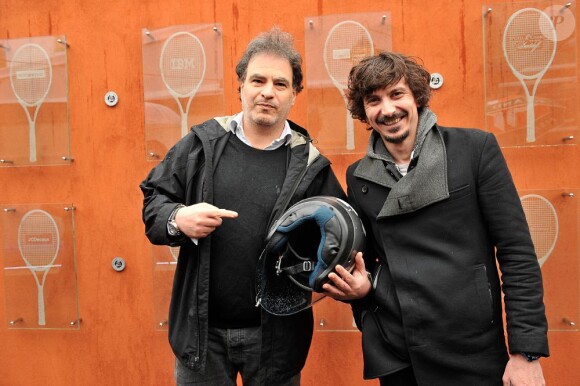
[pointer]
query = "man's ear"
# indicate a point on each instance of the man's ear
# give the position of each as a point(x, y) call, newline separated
point(240, 86)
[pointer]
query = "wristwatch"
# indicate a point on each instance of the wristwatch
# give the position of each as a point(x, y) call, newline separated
point(172, 228)
point(530, 356)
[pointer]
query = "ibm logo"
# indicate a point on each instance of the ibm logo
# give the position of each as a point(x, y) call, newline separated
point(182, 63)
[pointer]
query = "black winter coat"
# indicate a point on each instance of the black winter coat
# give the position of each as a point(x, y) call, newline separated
point(185, 177)
point(439, 270)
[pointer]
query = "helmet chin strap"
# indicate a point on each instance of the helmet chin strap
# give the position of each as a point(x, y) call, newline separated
point(305, 266)
point(322, 216)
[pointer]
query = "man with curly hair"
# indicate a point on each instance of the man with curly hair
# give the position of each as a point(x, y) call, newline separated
point(442, 215)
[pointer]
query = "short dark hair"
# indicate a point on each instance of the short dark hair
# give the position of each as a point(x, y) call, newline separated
point(383, 70)
point(276, 42)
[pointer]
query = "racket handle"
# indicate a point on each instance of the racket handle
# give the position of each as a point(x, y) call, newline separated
point(32, 141)
point(531, 121)
point(41, 319)
point(349, 131)
point(184, 127)
point(349, 122)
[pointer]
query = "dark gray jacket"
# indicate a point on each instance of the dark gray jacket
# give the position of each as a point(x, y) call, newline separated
point(440, 242)
point(185, 177)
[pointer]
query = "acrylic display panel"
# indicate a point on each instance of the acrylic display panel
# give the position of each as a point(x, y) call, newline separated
point(34, 123)
point(182, 82)
point(553, 217)
point(164, 263)
point(335, 43)
point(38, 257)
point(331, 315)
point(531, 79)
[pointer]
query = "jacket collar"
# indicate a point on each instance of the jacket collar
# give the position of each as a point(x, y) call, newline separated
point(423, 185)
point(299, 136)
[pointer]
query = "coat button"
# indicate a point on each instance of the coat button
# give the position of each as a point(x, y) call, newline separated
point(365, 189)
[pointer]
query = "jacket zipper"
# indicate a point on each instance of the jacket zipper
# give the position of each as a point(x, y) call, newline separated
point(195, 359)
point(292, 191)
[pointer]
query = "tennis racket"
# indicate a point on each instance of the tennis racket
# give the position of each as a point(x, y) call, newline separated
point(543, 223)
point(346, 44)
point(529, 46)
point(30, 78)
point(182, 64)
point(174, 252)
point(38, 243)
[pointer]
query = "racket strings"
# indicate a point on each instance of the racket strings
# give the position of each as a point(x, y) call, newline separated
point(528, 49)
point(38, 239)
point(543, 225)
point(30, 73)
point(182, 64)
point(345, 47)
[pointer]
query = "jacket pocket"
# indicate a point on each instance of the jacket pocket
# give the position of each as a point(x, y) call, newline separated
point(459, 192)
point(484, 295)
point(382, 287)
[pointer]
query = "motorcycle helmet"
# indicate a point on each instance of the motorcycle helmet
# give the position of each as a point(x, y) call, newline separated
point(302, 247)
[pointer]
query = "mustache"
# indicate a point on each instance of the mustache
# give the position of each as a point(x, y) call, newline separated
point(384, 119)
point(265, 103)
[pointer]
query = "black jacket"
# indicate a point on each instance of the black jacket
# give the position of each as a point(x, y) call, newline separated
point(185, 177)
point(439, 268)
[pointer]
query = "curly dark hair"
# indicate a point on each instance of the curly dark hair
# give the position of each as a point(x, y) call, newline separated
point(383, 70)
point(276, 42)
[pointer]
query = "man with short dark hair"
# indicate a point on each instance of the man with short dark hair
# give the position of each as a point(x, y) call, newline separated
point(256, 164)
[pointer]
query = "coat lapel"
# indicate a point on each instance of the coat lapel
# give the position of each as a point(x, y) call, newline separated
point(425, 184)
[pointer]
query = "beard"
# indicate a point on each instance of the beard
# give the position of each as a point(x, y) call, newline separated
point(398, 139)
point(394, 139)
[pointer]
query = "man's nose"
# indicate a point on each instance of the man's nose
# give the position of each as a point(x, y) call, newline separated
point(268, 90)
point(388, 107)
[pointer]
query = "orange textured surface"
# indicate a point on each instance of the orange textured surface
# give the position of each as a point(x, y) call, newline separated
point(117, 343)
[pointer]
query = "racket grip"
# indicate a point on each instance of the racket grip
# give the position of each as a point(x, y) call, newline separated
point(32, 141)
point(41, 318)
point(349, 131)
point(184, 127)
point(531, 121)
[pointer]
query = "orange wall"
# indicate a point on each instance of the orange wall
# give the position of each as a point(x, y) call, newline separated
point(117, 343)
